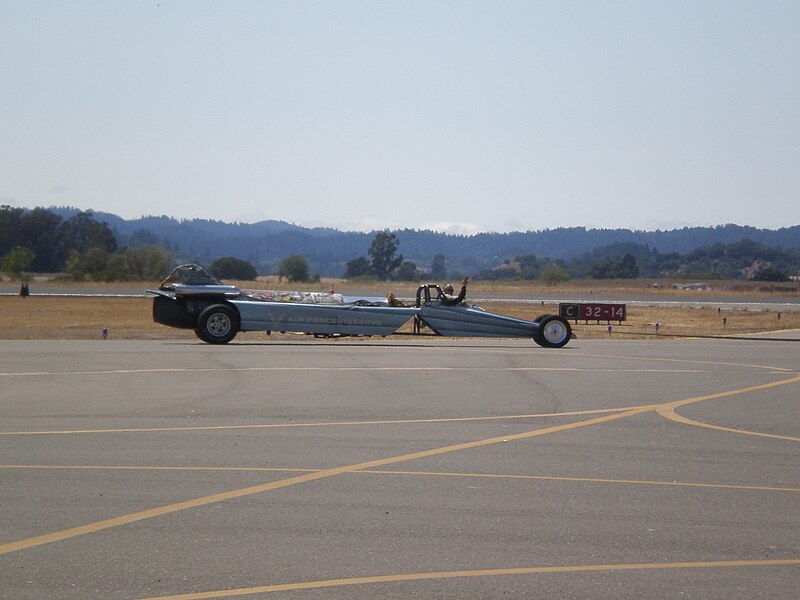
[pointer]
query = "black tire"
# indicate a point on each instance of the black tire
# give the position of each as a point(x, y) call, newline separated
point(218, 324)
point(553, 332)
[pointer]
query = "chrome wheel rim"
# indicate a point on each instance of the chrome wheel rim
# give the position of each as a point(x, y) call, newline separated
point(555, 332)
point(218, 325)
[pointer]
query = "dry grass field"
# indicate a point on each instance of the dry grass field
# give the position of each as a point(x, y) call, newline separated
point(42, 317)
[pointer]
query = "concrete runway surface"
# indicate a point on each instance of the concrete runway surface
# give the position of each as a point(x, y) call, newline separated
point(399, 469)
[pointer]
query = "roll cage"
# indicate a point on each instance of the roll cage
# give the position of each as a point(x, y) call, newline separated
point(425, 294)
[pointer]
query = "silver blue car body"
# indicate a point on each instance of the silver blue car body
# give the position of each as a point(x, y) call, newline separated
point(193, 299)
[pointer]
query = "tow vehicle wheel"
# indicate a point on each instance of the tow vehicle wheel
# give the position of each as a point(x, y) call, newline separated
point(554, 332)
point(218, 324)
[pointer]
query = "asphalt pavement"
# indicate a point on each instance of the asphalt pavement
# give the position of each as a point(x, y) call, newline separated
point(399, 469)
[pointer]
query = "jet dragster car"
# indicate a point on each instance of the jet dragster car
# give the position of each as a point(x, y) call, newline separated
point(191, 298)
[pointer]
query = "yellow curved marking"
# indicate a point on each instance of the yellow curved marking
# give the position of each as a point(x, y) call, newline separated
point(668, 412)
point(214, 498)
point(159, 511)
point(238, 493)
point(329, 583)
point(324, 424)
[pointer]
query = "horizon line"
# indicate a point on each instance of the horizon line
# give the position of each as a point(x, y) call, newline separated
point(474, 230)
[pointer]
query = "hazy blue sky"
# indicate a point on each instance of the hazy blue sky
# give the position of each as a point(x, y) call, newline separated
point(458, 116)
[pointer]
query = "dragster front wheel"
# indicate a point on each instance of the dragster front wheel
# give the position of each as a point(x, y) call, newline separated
point(553, 332)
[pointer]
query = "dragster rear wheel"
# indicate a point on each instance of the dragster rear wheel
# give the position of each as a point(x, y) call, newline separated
point(553, 332)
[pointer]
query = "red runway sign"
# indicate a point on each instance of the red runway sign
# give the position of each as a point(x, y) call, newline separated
point(592, 311)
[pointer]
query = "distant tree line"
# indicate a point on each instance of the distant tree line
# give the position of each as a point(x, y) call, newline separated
point(742, 260)
point(745, 259)
point(103, 246)
point(267, 243)
point(42, 242)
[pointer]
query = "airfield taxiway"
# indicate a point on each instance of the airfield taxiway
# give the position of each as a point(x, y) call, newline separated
point(399, 469)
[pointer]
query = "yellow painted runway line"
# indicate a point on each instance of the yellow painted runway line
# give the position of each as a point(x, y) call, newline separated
point(327, 423)
point(274, 485)
point(679, 419)
point(721, 486)
point(171, 371)
point(668, 412)
point(689, 362)
point(331, 583)
point(158, 468)
point(237, 493)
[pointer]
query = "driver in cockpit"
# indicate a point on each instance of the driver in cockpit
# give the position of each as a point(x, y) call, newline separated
point(448, 299)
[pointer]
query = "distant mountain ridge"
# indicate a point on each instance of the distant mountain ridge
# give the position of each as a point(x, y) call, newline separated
point(327, 250)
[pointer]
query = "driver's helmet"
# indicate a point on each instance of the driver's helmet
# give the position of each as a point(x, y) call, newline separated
point(448, 289)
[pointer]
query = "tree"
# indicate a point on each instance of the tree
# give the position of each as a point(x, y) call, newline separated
point(38, 230)
point(382, 251)
point(358, 267)
point(135, 264)
point(528, 262)
point(601, 270)
point(624, 268)
point(143, 237)
point(81, 232)
point(230, 267)
point(10, 219)
point(294, 268)
point(769, 274)
point(407, 272)
point(438, 267)
point(17, 261)
point(627, 268)
point(147, 262)
point(92, 264)
point(553, 275)
point(529, 266)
